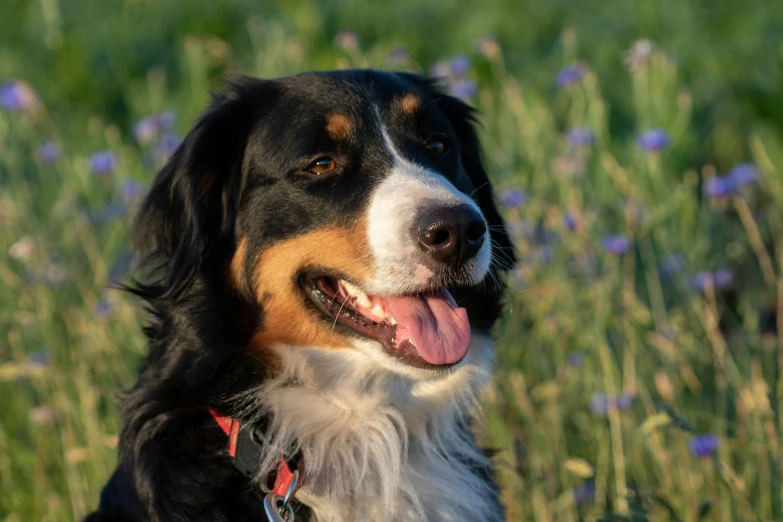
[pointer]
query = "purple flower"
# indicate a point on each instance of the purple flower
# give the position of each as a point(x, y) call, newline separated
point(744, 174)
point(347, 40)
point(103, 163)
point(580, 137)
point(570, 75)
point(49, 152)
point(459, 66)
point(672, 264)
point(571, 221)
point(624, 401)
point(17, 96)
point(513, 198)
point(168, 144)
point(576, 359)
point(440, 70)
point(399, 55)
point(601, 403)
point(103, 308)
point(653, 140)
point(39, 358)
point(721, 278)
point(150, 128)
point(131, 190)
point(616, 244)
point(546, 254)
point(720, 187)
point(584, 493)
point(465, 89)
point(704, 446)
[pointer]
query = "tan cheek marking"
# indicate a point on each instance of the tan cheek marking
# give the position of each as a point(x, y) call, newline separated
point(410, 103)
point(285, 318)
point(339, 126)
point(238, 264)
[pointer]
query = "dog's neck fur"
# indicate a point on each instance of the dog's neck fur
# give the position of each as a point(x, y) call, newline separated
point(376, 445)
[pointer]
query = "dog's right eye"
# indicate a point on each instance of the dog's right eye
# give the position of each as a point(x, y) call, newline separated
point(322, 166)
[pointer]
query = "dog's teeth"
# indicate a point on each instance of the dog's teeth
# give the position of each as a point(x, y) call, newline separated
point(378, 312)
point(352, 290)
point(392, 320)
point(363, 301)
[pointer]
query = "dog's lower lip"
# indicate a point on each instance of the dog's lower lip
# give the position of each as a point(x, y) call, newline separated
point(323, 291)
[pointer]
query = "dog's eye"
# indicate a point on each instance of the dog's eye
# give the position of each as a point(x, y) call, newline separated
point(438, 144)
point(322, 166)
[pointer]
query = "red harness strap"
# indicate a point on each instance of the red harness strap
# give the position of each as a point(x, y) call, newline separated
point(284, 475)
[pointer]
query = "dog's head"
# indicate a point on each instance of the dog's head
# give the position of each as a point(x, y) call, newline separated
point(347, 210)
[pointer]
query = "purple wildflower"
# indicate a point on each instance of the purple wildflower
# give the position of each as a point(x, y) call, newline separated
point(576, 359)
point(131, 190)
point(459, 66)
point(653, 140)
point(744, 174)
point(570, 75)
point(720, 187)
point(465, 89)
point(672, 264)
point(347, 41)
point(513, 198)
point(17, 96)
point(616, 244)
point(580, 137)
point(704, 446)
point(600, 404)
point(440, 70)
point(168, 144)
point(721, 278)
point(546, 254)
point(152, 127)
point(571, 221)
point(624, 401)
point(584, 493)
point(103, 308)
point(399, 55)
point(39, 358)
point(49, 152)
point(103, 163)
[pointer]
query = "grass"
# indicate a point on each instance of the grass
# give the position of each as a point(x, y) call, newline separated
point(609, 364)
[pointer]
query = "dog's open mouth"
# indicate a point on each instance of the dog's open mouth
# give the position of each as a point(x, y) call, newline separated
point(425, 330)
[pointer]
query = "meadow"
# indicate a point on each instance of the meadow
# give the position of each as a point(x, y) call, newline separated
point(636, 149)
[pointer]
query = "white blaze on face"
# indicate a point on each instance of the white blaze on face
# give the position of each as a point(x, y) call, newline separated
point(395, 204)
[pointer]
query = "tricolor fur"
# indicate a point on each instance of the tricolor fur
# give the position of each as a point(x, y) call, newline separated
point(283, 192)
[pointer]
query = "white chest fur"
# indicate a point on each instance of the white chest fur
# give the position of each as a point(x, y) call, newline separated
point(379, 445)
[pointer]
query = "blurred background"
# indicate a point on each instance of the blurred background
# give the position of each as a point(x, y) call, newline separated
point(636, 149)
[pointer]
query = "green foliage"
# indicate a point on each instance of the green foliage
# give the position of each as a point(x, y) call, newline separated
point(614, 354)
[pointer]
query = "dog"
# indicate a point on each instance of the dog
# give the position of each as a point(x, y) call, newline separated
point(322, 262)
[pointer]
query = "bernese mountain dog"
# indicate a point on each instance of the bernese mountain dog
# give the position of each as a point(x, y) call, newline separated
point(322, 261)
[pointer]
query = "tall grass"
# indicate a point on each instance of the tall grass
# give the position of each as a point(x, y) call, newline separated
point(639, 363)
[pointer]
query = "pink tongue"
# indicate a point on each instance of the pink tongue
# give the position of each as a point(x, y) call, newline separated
point(433, 323)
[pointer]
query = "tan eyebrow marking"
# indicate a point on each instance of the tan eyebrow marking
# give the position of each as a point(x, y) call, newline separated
point(339, 126)
point(410, 103)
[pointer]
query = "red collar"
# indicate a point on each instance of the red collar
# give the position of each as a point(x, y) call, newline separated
point(245, 449)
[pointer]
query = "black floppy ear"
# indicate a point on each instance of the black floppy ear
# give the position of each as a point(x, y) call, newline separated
point(188, 216)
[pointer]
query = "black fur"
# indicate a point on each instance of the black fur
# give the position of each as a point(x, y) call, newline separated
point(233, 177)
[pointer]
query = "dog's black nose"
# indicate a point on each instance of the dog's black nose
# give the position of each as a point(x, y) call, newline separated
point(451, 235)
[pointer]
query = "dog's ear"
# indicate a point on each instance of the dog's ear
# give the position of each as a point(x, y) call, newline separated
point(189, 213)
